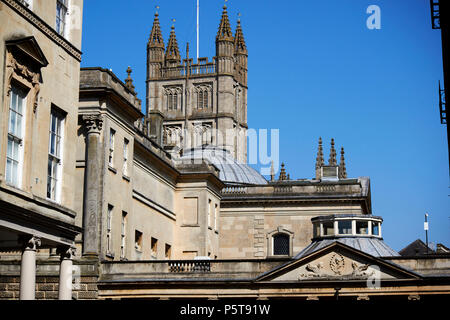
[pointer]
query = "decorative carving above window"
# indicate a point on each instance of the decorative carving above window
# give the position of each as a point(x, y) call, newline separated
point(25, 60)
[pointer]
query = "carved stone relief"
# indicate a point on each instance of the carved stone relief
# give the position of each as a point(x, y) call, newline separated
point(335, 266)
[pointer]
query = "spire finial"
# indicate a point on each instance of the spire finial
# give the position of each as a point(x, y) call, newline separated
point(332, 161)
point(272, 172)
point(173, 52)
point(342, 168)
point(239, 41)
point(128, 80)
point(187, 50)
point(283, 176)
point(156, 39)
point(319, 160)
point(224, 32)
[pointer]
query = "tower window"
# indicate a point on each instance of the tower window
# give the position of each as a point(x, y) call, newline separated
point(281, 244)
point(202, 98)
point(174, 98)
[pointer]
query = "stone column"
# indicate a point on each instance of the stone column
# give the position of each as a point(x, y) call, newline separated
point(93, 172)
point(28, 269)
point(65, 273)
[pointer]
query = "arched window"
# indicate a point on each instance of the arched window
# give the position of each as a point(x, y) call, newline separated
point(174, 98)
point(203, 99)
point(173, 101)
point(281, 244)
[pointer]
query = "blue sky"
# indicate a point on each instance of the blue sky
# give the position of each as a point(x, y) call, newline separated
point(316, 70)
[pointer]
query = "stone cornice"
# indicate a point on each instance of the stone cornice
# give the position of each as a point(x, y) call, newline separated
point(44, 28)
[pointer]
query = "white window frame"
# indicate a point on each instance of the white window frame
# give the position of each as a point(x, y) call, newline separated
point(109, 242)
point(209, 212)
point(57, 157)
point(112, 135)
point(123, 235)
point(62, 6)
point(15, 139)
point(125, 157)
point(215, 215)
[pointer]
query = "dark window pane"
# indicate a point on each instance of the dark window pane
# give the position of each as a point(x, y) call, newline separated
point(281, 244)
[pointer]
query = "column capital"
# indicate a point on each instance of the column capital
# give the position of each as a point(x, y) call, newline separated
point(93, 123)
point(30, 242)
point(66, 253)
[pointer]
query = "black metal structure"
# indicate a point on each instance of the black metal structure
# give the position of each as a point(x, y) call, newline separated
point(439, 20)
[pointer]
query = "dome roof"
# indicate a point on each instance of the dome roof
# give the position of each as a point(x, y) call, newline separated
point(231, 171)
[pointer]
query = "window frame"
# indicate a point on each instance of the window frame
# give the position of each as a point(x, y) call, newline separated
point(270, 242)
point(62, 10)
point(347, 221)
point(202, 98)
point(126, 143)
point(167, 251)
point(56, 157)
point(109, 223)
point(216, 207)
point(123, 235)
point(285, 236)
point(138, 235)
point(16, 155)
point(112, 138)
point(153, 247)
point(27, 3)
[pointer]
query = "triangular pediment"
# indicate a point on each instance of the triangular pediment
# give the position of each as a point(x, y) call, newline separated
point(337, 262)
point(30, 48)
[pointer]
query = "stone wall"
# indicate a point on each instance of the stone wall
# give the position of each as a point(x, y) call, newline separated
point(47, 288)
point(47, 280)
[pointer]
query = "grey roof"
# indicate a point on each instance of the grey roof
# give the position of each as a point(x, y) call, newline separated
point(373, 246)
point(231, 171)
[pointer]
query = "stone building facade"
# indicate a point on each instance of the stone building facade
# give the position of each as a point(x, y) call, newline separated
point(163, 205)
point(40, 44)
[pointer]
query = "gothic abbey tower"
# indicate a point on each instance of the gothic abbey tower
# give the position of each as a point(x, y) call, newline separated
point(196, 104)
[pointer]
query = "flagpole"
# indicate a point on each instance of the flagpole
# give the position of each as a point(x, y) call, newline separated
point(198, 29)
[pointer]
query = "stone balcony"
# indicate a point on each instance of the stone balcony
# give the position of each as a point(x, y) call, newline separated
point(187, 269)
